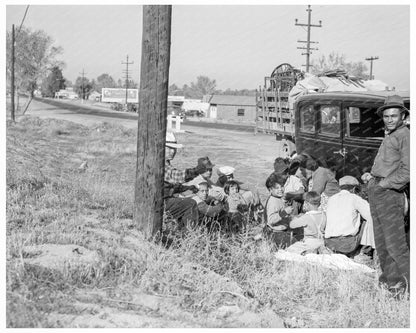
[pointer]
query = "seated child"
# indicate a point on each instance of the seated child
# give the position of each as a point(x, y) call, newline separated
point(275, 212)
point(209, 209)
point(313, 222)
point(236, 205)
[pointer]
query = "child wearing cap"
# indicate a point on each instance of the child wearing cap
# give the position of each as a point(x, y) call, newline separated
point(313, 223)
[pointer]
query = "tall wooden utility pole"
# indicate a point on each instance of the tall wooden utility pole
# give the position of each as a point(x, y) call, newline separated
point(152, 118)
point(127, 63)
point(308, 41)
point(12, 88)
point(371, 59)
point(82, 86)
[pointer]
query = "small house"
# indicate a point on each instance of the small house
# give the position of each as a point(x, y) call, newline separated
point(241, 109)
point(94, 96)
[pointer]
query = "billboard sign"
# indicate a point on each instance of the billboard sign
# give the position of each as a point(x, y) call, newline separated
point(118, 95)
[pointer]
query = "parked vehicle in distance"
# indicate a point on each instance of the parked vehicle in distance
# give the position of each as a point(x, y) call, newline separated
point(342, 129)
point(194, 113)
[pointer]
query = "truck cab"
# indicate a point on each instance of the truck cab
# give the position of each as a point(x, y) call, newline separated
point(342, 129)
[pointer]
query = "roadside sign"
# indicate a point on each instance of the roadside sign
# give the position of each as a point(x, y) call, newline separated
point(118, 95)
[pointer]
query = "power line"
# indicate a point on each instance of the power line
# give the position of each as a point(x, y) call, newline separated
point(24, 16)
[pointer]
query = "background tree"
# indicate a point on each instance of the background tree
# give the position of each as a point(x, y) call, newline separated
point(203, 86)
point(68, 83)
point(53, 82)
point(83, 87)
point(35, 56)
point(105, 81)
point(174, 90)
point(236, 92)
point(336, 61)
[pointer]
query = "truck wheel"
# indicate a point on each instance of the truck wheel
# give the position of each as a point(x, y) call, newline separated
point(287, 148)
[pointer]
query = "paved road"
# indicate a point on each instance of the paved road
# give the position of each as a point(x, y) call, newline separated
point(77, 108)
point(90, 115)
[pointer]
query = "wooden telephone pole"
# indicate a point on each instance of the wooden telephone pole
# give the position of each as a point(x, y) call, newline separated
point(371, 59)
point(127, 63)
point(12, 87)
point(308, 41)
point(152, 118)
point(82, 86)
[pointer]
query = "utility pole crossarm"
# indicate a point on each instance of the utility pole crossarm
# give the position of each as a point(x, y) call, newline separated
point(371, 59)
point(308, 41)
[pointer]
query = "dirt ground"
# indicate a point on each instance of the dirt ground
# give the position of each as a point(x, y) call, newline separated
point(252, 155)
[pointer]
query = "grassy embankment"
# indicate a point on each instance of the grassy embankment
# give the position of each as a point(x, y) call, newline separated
point(49, 201)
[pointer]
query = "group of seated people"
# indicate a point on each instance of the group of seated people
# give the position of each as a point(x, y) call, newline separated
point(307, 209)
point(223, 204)
point(191, 197)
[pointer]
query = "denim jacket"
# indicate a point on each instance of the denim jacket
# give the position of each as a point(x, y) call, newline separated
point(392, 162)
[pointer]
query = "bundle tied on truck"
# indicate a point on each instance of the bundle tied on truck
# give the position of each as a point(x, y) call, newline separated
point(276, 99)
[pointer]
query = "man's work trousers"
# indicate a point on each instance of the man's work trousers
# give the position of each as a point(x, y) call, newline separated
point(387, 211)
point(185, 210)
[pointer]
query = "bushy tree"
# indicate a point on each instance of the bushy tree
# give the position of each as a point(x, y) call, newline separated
point(174, 90)
point(35, 56)
point(83, 87)
point(53, 82)
point(336, 61)
point(236, 92)
point(203, 86)
point(105, 81)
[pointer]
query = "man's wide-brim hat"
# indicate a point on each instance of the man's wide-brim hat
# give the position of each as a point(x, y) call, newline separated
point(204, 163)
point(280, 165)
point(393, 102)
point(171, 141)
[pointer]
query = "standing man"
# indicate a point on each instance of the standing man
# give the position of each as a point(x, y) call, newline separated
point(390, 175)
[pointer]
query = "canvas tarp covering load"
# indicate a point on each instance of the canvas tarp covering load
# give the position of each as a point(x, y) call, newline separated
point(333, 81)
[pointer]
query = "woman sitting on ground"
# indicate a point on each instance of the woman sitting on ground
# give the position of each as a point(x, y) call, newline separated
point(323, 180)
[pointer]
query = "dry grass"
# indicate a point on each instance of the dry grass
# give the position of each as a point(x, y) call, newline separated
point(49, 201)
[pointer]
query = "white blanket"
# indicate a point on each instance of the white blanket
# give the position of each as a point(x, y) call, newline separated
point(332, 261)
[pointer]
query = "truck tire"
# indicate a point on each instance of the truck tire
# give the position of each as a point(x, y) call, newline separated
point(287, 148)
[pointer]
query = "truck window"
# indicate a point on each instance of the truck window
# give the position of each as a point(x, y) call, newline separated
point(363, 122)
point(307, 119)
point(330, 120)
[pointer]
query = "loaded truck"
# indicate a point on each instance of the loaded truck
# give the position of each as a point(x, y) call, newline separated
point(331, 117)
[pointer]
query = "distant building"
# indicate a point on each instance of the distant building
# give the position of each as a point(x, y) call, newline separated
point(232, 108)
point(94, 96)
point(66, 93)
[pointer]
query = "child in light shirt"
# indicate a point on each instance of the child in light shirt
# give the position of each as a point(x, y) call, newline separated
point(313, 222)
point(275, 211)
point(237, 206)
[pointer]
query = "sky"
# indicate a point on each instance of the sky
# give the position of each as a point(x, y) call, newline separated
point(236, 45)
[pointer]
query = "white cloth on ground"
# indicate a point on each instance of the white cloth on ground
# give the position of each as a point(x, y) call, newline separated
point(306, 245)
point(335, 261)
